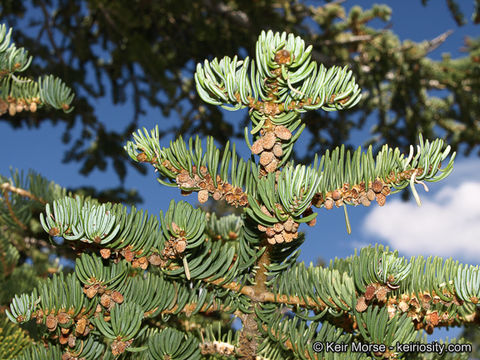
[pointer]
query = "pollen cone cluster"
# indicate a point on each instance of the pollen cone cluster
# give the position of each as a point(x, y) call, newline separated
point(356, 195)
point(280, 232)
point(269, 146)
point(13, 106)
point(223, 191)
point(176, 245)
point(70, 327)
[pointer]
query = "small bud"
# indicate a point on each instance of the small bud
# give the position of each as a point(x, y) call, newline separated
point(377, 186)
point(370, 194)
point(155, 259)
point(370, 292)
point(180, 246)
point(268, 140)
point(54, 231)
point(336, 195)
point(282, 57)
point(283, 133)
point(270, 232)
point(382, 294)
point(271, 240)
point(270, 108)
point(51, 322)
point(63, 340)
point(364, 201)
point(117, 297)
point(272, 167)
point(230, 198)
point(433, 318)
point(182, 178)
point(118, 347)
point(63, 318)
point(426, 298)
point(128, 255)
point(381, 199)
point(105, 253)
point(257, 147)
point(210, 187)
point(287, 236)
point(142, 157)
point(279, 238)
point(71, 340)
point(3, 106)
point(217, 195)
point(261, 227)
point(33, 107)
point(12, 109)
point(203, 170)
point(266, 158)
point(386, 190)
point(278, 227)
point(277, 150)
point(91, 292)
point(329, 204)
point(202, 196)
point(361, 304)
point(403, 306)
point(105, 300)
point(288, 225)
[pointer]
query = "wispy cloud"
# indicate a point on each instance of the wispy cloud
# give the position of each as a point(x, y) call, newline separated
point(447, 224)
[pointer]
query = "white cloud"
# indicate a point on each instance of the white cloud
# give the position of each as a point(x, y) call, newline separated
point(447, 224)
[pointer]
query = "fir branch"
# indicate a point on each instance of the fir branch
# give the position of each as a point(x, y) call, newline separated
point(22, 192)
point(20, 93)
point(10, 208)
point(193, 170)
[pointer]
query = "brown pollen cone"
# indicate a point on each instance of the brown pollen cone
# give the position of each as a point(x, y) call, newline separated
point(282, 57)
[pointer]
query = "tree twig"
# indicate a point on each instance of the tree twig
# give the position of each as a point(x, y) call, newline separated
point(10, 188)
point(46, 16)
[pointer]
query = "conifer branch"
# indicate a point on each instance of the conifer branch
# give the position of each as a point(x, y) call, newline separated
point(191, 169)
point(22, 192)
point(10, 208)
point(244, 265)
point(21, 93)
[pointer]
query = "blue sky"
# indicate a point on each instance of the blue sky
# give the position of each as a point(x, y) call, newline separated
point(447, 224)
